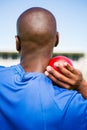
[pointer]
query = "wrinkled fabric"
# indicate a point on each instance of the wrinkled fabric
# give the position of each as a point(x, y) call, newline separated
point(29, 101)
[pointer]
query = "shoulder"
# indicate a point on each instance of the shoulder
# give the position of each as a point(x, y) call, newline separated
point(69, 97)
point(7, 71)
point(1, 67)
point(4, 68)
point(72, 104)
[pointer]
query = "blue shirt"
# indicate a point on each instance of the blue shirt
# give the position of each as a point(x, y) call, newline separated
point(29, 101)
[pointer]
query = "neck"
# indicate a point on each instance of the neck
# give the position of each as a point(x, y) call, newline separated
point(35, 64)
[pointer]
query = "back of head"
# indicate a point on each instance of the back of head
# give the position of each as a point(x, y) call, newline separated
point(36, 28)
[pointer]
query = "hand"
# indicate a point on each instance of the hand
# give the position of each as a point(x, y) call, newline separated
point(69, 78)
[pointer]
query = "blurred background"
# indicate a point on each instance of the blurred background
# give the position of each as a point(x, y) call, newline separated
point(71, 17)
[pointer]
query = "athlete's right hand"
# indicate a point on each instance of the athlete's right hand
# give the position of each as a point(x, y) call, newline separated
point(69, 78)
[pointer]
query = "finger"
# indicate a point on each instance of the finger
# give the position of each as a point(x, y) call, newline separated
point(66, 72)
point(77, 75)
point(53, 72)
point(57, 81)
point(58, 76)
point(70, 68)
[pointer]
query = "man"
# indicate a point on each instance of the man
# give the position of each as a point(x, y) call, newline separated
point(28, 99)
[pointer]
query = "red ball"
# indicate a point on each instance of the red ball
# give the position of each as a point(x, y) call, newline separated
point(61, 60)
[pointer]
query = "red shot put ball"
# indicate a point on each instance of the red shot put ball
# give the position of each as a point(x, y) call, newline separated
point(61, 60)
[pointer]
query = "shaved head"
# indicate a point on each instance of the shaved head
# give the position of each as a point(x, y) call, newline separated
point(35, 23)
point(36, 33)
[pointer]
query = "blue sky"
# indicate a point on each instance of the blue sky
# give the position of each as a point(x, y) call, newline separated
point(71, 17)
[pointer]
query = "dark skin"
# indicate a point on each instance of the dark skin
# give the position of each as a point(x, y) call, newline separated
point(36, 38)
point(70, 78)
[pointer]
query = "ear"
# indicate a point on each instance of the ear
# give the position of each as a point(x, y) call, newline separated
point(18, 43)
point(57, 39)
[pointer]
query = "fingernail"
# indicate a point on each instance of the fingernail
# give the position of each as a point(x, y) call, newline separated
point(48, 68)
point(65, 63)
point(56, 64)
point(46, 73)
